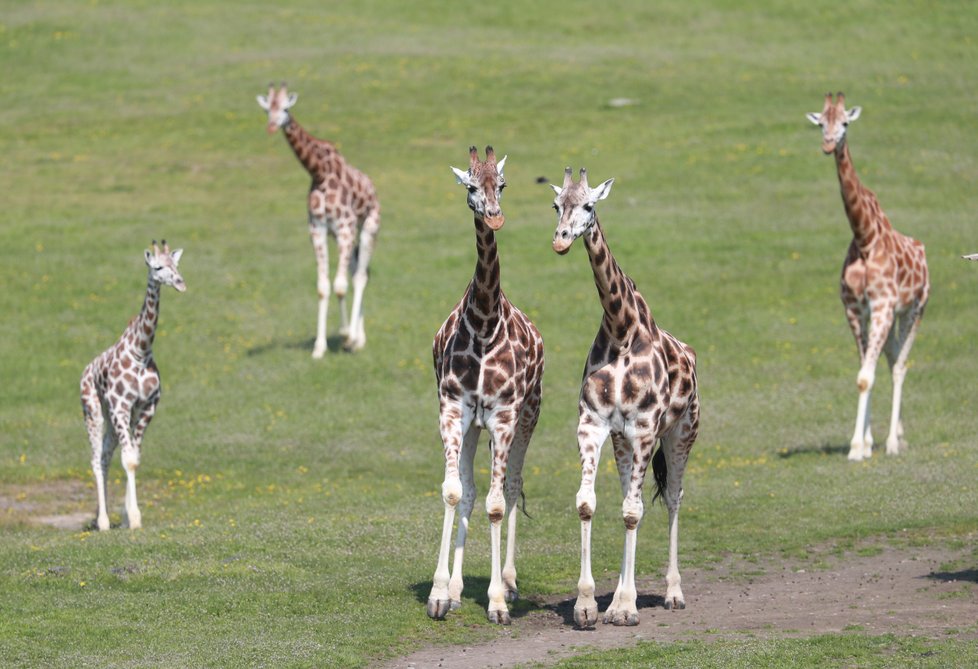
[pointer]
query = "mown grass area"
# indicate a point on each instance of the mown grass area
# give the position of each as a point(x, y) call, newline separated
point(291, 508)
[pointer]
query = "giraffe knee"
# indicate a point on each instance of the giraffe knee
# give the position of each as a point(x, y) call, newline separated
point(130, 460)
point(340, 285)
point(586, 504)
point(451, 491)
point(632, 512)
point(322, 285)
point(495, 505)
point(865, 380)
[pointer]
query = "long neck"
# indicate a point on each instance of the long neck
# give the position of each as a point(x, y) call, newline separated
point(305, 147)
point(145, 324)
point(482, 308)
point(618, 296)
point(861, 206)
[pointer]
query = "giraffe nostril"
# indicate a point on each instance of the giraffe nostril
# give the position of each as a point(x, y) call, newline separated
point(564, 234)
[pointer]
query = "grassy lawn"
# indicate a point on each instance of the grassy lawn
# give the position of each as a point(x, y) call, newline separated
point(292, 508)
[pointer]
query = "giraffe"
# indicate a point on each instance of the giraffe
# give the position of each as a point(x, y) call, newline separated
point(488, 360)
point(122, 386)
point(884, 284)
point(639, 387)
point(341, 202)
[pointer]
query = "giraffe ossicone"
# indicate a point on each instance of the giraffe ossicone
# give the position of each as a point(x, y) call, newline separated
point(884, 284)
point(488, 360)
point(122, 387)
point(342, 203)
point(640, 389)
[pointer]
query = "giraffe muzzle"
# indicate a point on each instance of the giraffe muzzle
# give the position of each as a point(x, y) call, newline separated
point(562, 242)
point(495, 222)
point(272, 128)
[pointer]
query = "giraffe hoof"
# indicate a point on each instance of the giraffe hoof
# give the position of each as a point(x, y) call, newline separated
point(351, 345)
point(439, 608)
point(621, 618)
point(675, 603)
point(586, 617)
point(102, 523)
point(500, 617)
point(512, 594)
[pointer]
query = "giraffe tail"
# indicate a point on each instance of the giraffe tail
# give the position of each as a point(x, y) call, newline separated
point(659, 471)
point(523, 506)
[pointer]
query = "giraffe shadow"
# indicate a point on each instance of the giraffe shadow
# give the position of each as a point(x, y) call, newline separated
point(476, 593)
point(334, 344)
point(812, 449)
point(970, 575)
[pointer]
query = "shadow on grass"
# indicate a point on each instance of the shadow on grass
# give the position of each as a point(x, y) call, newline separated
point(334, 344)
point(962, 575)
point(823, 449)
point(476, 590)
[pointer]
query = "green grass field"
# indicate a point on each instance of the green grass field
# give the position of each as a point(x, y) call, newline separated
point(292, 508)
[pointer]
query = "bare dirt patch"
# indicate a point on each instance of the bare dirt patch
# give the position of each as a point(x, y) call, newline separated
point(65, 504)
point(876, 590)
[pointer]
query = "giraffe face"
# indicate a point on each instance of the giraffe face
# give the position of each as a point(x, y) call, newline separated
point(485, 183)
point(834, 121)
point(575, 208)
point(163, 266)
point(277, 103)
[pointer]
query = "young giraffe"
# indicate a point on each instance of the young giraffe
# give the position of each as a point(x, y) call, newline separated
point(884, 283)
point(122, 385)
point(639, 387)
point(341, 201)
point(489, 367)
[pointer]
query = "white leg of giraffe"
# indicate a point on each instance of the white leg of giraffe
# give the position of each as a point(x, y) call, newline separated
point(676, 446)
point(317, 234)
point(501, 449)
point(513, 488)
point(368, 233)
point(590, 438)
point(903, 344)
point(100, 442)
point(121, 416)
point(454, 422)
point(623, 462)
point(466, 467)
point(879, 329)
point(346, 230)
point(859, 323)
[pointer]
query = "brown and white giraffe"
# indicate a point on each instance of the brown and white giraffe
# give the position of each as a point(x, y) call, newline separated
point(122, 386)
point(489, 367)
point(884, 284)
point(639, 387)
point(343, 203)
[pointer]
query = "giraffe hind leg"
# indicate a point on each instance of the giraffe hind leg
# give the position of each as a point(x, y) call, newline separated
point(102, 445)
point(675, 449)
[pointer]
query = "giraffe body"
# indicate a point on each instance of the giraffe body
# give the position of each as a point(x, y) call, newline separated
point(639, 388)
point(121, 387)
point(342, 203)
point(884, 284)
point(488, 360)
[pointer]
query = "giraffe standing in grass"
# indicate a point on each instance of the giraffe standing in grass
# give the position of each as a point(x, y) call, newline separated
point(884, 283)
point(640, 388)
point(342, 203)
point(122, 386)
point(489, 367)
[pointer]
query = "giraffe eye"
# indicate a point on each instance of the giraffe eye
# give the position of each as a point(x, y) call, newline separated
point(556, 208)
point(588, 207)
point(472, 189)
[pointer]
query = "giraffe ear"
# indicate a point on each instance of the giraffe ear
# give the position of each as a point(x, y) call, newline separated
point(176, 256)
point(293, 97)
point(462, 177)
point(814, 118)
point(149, 258)
point(263, 102)
point(557, 189)
point(499, 165)
point(602, 191)
point(853, 114)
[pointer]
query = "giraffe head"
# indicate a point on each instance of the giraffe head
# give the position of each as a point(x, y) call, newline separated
point(277, 103)
point(485, 183)
point(162, 265)
point(575, 208)
point(834, 120)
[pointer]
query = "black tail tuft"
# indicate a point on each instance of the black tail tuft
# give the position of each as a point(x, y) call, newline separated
point(659, 471)
point(523, 497)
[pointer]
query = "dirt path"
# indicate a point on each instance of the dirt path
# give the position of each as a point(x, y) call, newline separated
point(899, 591)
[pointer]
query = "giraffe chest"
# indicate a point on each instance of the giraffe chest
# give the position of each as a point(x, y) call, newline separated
point(121, 378)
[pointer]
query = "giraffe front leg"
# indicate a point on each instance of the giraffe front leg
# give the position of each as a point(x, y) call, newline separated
point(590, 438)
point(903, 344)
point(465, 506)
point(317, 234)
point(99, 440)
point(130, 462)
point(345, 245)
point(453, 425)
point(365, 249)
point(623, 609)
point(502, 440)
point(861, 446)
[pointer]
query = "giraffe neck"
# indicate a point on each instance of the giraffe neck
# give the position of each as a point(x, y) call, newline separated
point(304, 146)
point(482, 307)
point(617, 292)
point(144, 327)
point(861, 206)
